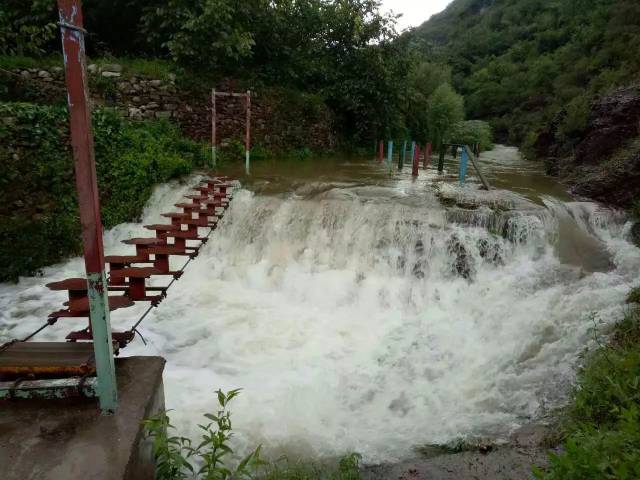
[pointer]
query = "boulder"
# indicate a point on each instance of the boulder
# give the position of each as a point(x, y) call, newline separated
point(111, 74)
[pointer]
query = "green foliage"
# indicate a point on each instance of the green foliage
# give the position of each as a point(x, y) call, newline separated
point(470, 132)
point(521, 64)
point(27, 27)
point(345, 52)
point(176, 456)
point(634, 295)
point(445, 109)
point(603, 431)
point(39, 214)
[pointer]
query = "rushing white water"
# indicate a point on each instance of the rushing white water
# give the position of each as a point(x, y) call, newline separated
point(356, 322)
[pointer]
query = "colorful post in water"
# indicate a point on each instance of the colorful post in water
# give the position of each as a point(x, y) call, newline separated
point(441, 159)
point(427, 154)
point(416, 161)
point(402, 157)
point(463, 165)
point(213, 126)
point(389, 153)
point(247, 140)
point(72, 33)
point(413, 150)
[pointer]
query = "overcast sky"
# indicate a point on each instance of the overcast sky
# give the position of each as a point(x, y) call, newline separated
point(414, 12)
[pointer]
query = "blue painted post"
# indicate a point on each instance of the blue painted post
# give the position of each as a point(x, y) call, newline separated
point(72, 32)
point(389, 153)
point(463, 165)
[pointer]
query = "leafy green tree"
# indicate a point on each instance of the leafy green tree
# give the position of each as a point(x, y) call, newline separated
point(27, 27)
point(445, 109)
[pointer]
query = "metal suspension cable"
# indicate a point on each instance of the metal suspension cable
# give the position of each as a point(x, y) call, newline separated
point(134, 328)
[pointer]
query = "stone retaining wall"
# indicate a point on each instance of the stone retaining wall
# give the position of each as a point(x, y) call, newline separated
point(274, 124)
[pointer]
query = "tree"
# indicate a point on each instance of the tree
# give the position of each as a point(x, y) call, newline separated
point(445, 109)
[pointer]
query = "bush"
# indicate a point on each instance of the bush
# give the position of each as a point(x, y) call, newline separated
point(39, 222)
point(472, 131)
point(175, 455)
point(603, 421)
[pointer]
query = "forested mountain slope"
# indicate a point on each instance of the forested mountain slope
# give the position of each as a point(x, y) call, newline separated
point(541, 70)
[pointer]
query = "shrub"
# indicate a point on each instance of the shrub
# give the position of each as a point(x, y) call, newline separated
point(603, 420)
point(176, 457)
point(39, 222)
point(472, 131)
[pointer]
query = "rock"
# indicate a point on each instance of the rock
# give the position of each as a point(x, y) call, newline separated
point(170, 106)
point(149, 114)
point(111, 74)
point(163, 114)
point(25, 74)
point(172, 77)
point(123, 86)
point(56, 69)
point(112, 67)
point(135, 112)
point(18, 204)
point(151, 106)
point(136, 99)
point(155, 83)
point(462, 261)
point(44, 74)
point(92, 68)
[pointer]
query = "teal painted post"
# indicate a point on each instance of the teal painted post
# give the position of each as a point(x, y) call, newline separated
point(76, 77)
point(463, 165)
point(389, 153)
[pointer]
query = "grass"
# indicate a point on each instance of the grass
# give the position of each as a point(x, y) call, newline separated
point(602, 424)
point(154, 68)
point(12, 62)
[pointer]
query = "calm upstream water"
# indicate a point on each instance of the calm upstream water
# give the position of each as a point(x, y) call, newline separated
point(363, 310)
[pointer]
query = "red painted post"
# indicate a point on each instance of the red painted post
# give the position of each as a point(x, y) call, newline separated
point(427, 154)
point(72, 32)
point(381, 151)
point(416, 161)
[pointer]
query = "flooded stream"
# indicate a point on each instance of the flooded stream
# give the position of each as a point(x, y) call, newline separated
point(362, 310)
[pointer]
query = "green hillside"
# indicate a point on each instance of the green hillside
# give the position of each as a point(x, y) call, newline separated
point(526, 64)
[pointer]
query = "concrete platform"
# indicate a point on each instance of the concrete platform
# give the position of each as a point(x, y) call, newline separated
point(69, 439)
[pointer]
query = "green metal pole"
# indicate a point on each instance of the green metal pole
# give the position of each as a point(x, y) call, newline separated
point(403, 156)
point(441, 159)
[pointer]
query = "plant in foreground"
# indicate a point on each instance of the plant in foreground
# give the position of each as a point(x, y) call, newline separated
point(176, 455)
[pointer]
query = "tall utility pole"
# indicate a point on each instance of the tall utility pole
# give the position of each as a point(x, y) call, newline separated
point(72, 32)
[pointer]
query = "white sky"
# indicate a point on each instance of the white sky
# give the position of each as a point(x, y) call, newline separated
point(414, 12)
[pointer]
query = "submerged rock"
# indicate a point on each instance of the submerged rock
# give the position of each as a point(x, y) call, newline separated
point(462, 263)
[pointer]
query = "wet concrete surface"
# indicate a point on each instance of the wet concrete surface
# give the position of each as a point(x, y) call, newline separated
point(69, 439)
point(512, 461)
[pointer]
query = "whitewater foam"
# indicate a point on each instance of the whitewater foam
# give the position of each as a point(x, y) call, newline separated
point(349, 321)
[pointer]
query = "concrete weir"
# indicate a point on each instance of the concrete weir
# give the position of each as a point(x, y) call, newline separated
point(68, 439)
